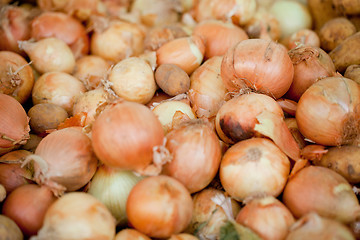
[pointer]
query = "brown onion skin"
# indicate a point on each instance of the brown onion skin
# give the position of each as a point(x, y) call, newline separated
point(196, 154)
point(159, 206)
point(258, 64)
point(27, 206)
point(328, 110)
point(16, 76)
point(64, 27)
point(14, 124)
point(135, 131)
point(321, 190)
point(12, 175)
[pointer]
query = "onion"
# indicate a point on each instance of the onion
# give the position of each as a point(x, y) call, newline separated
point(327, 112)
point(288, 106)
point(211, 210)
point(112, 187)
point(89, 102)
point(9, 229)
point(183, 236)
point(238, 11)
point(14, 124)
point(158, 97)
point(321, 190)
point(304, 36)
point(64, 160)
point(255, 114)
point(12, 175)
point(129, 83)
point(130, 234)
point(45, 117)
point(186, 52)
point(14, 27)
point(77, 215)
point(126, 134)
point(159, 206)
point(123, 40)
point(260, 156)
point(294, 129)
point(266, 216)
point(27, 205)
point(64, 27)
point(207, 91)
point(292, 16)
point(218, 36)
point(58, 88)
point(196, 154)
point(259, 64)
point(313, 226)
point(16, 76)
point(172, 79)
point(91, 69)
point(310, 65)
point(172, 112)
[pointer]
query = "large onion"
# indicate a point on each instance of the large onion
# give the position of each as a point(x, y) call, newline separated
point(258, 64)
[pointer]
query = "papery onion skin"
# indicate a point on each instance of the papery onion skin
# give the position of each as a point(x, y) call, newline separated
point(322, 190)
point(269, 166)
point(159, 206)
point(196, 154)
point(130, 234)
point(328, 111)
point(27, 206)
point(258, 64)
point(16, 76)
point(64, 27)
point(9, 229)
point(77, 215)
point(69, 157)
point(14, 124)
point(266, 216)
point(124, 135)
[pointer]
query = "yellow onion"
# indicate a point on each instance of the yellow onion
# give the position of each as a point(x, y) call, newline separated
point(64, 160)
point(304, 36)
point(313, 226)
point(321, 190)
point(259, 64)
point(196, 154)
point(159, 35)
point(77, 215)
point(112, 186)
point(207, 91)
point(126, 134)
point(183, 236)
point(14, 124)
point(17, 78)
point(310, 65)
point(9, 229)
point(328, 111)
point(159, 206)
point(252, 167)
point(266, 216)
point(130, 234)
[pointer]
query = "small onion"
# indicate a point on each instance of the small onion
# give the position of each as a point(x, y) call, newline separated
point(58, 88)
point(112, 187)
point(327, 112)
point(304, 36)
point(269, 166)
point(64, 27)
point(310, 65)
point(130, 234)
point(129, 83)
point(183, 236)
point(14, 124)
point(16, 76)
point(49, 54)
point(159, 206)
point(9, 229)
point(27, 205)
point(77, 215)
point(258, 64)
point(207, 91)
point(196, 154)
point(313, 226)
point(266, 216)
point(321, 190)
point(125, 134)
point(64, 160)
point(12, 175)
